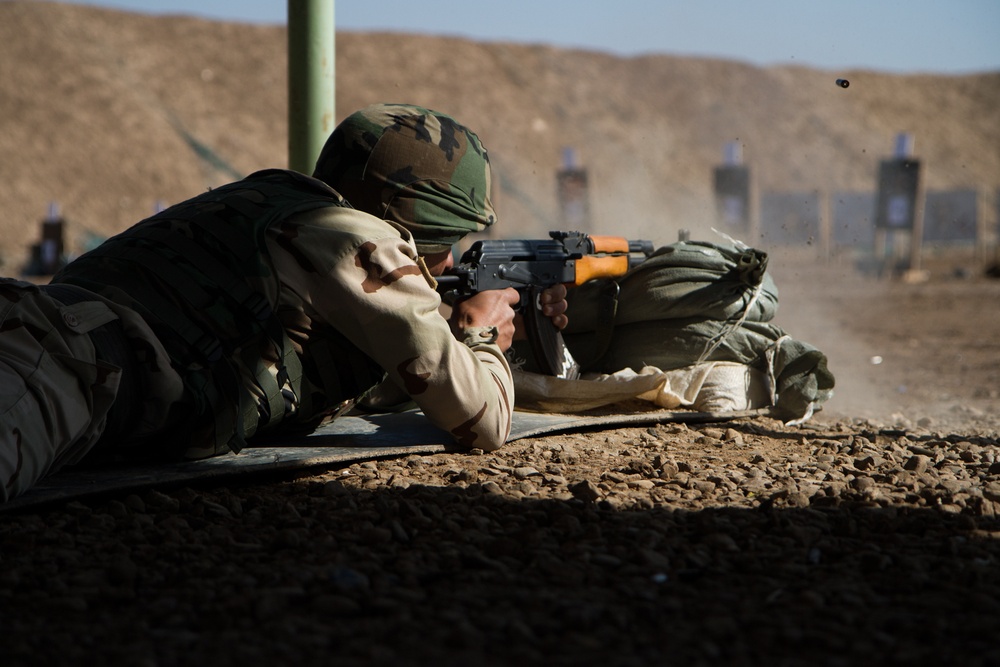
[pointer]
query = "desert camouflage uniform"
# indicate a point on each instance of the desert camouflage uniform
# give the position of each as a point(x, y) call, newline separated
point(278, 305)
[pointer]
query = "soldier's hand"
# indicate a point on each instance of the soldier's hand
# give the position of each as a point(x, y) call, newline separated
point(490, 308)
point(553, 303)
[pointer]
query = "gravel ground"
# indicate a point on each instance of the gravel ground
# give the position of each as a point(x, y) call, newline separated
point(849, 540)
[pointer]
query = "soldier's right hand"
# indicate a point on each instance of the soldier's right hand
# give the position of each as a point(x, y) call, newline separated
point(490, 308)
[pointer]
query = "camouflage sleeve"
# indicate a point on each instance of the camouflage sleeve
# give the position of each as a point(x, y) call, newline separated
point(361, 275)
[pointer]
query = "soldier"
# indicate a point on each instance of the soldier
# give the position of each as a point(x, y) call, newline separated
point(266, 305)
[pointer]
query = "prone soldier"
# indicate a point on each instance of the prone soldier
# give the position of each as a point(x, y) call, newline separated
point(267, 305)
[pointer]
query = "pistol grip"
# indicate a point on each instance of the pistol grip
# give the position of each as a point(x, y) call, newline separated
point(546, 340)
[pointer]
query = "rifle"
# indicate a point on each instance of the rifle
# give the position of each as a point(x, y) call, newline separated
point(529, 266)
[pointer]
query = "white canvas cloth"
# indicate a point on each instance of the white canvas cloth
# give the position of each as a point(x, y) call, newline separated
point(710, 386)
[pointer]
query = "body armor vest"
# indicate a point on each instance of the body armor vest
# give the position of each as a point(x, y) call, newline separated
point(199, 274)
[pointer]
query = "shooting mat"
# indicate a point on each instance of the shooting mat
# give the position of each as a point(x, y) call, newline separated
point(345, 441)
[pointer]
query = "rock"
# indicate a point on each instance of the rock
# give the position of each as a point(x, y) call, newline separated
point(586, 491)
point(492, 488)
point(704, 486)
point(863, 484)
point(117, 509)
point(161, 502)
point(918, 463)
point(135, 504)
point(722, 542)
point(991, 491)
point(867, 462)
point(668, 470)
point(797, 499)
point(734, 436)
point(461, 475)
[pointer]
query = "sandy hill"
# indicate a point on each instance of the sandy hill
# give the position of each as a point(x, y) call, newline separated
point(108, 113)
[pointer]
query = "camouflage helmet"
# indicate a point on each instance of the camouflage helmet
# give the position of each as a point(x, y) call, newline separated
point(416, 167)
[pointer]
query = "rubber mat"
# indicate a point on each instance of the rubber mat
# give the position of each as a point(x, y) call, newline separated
point(347, 440)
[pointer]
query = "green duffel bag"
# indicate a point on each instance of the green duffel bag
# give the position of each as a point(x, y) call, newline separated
point(692, 302)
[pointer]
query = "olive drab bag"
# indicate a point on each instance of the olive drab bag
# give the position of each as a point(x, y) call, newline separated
point(693, 302)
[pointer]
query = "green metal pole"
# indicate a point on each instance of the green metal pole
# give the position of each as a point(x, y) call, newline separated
point(311, 80)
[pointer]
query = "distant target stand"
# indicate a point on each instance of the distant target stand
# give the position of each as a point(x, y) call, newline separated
point(898, 203)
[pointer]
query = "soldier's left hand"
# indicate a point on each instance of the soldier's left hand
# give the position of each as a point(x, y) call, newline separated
point(553, 304)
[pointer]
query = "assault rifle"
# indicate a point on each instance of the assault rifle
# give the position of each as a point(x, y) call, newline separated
point(529, 266)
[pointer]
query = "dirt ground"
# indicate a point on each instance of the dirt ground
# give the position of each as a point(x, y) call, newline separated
point(868, 536)
point(904, 352)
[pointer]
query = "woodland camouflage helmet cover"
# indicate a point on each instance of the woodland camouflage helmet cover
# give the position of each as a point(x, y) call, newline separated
point(416, 167)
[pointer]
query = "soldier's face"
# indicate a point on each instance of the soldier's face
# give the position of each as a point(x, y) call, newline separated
point(439, 262)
